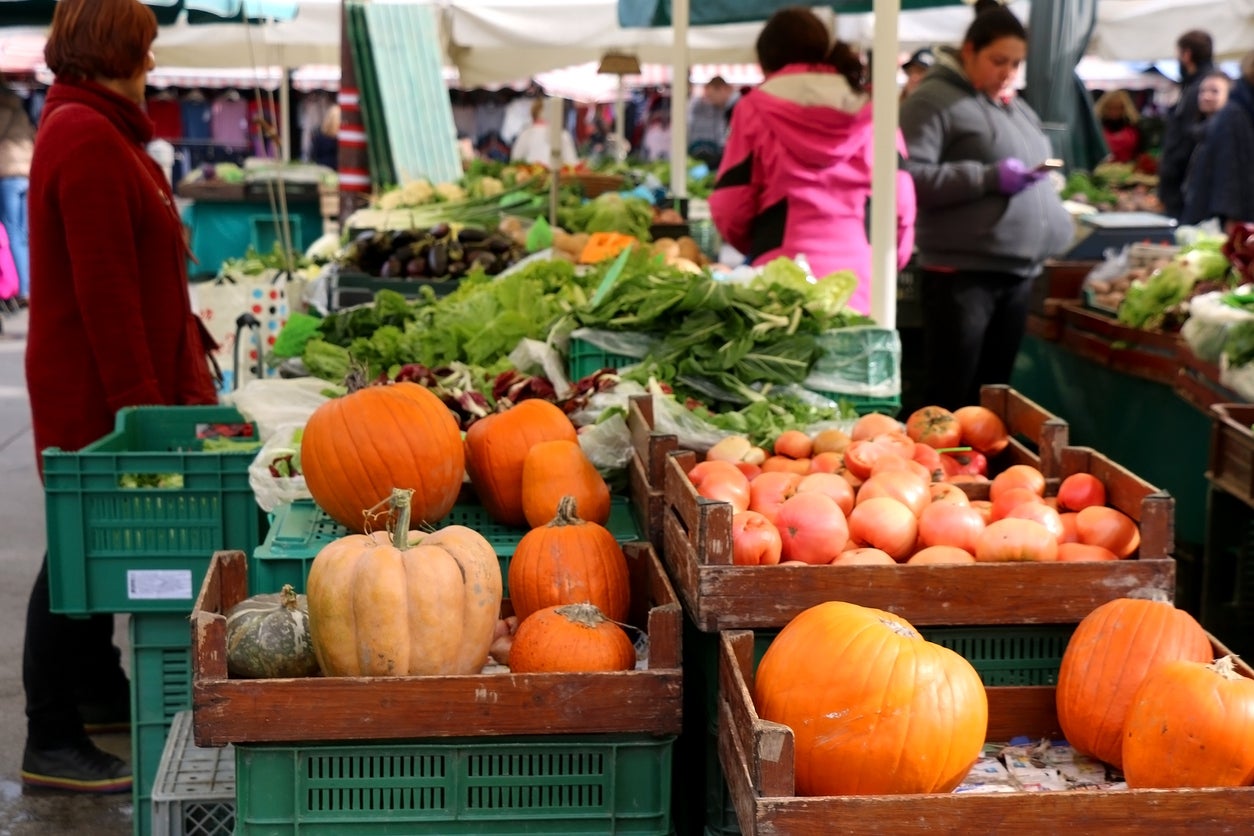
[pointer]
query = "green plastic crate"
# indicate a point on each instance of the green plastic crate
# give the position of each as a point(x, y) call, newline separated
point(300, 529)
point(1227, 606)
point(582, 784)
point(161, 687)
point(114, 549)
point(586, 358)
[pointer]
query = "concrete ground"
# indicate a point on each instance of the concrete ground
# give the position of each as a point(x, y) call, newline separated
point(28, 812)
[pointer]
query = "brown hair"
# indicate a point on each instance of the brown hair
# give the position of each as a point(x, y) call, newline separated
point(993, 21)
point(1247, 67)
point(100, 39)
point(1200, 45)
point(793, 35)
point(849, 64)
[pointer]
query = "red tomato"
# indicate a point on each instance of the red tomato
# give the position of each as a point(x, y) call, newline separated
point(934, 426)
point(892, 462)
point(899, 443)
point(826, 462)
point(1042, 514)
point(1016, 540)
point(972, 463)
point(1069, 535)
point(775, 464)
point(1109, 528)
point(1010, 499)
point(872, 424)
point(1083, 553)
point(935, 555)
point(812, 527)
point(863, 557)
point(755, 540)
point(886, 524)
point(860, 456)
point(929, 458)
point(830, 441)
point(1080, 490)
point(946, 524)
point(1018, 476)
point(832, 484)
point(749, 470)
point(985, 508)
point(794, 444)
point(949, 493)
point(982, 429)
point(769, 490)
point(907, 488)
point(722, 481)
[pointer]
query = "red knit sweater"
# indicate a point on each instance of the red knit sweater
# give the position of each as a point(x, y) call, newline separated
point(111, 323)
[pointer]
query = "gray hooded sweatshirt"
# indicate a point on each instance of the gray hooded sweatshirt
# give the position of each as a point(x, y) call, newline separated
point(955, 136)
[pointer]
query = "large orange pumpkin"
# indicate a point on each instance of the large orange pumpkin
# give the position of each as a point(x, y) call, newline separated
point(569, 561)
point(404, 603)
point(572, 638)
point(1108, 657)
point(496, 449)
point(874, 708)
point(355, 449)
point(1191, 725)
point(554, 469)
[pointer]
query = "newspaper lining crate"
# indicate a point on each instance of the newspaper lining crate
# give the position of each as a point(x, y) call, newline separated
point(161, 687)
point(1232, 449)
point(144, 549)
point(194, 792)
point(329, 708)
point(757, 758)
point(300, 529)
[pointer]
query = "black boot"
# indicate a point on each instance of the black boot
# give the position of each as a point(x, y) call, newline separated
point(79, 768)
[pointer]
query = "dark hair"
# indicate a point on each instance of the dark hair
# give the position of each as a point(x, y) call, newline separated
point(1217, 74)
point(793, 35)
point(993, 21)
point(1247, 67)
point(849, 64)
point(1199, 44)
point(100, 38)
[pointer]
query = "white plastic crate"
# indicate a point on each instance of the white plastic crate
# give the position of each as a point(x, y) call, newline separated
point(194, 792)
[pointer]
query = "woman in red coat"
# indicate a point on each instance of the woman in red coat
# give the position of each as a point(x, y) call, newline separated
point(111, 326)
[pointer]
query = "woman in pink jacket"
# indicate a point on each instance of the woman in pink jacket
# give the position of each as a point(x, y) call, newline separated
point(796, 173)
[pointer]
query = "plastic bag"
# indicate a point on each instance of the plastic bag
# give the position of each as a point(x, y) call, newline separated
point(273, 403)
point(860, 360)
point(269, 490)
point(1114, 265)
point(1239, 379)
point(532, 357)
point(669, 416)
point(625, 343)
point(607, 444)
point(1206, 329)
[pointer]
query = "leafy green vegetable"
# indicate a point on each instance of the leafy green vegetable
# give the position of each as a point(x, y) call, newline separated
point(1239, 348)
point(1146, 303)
point(609, 213)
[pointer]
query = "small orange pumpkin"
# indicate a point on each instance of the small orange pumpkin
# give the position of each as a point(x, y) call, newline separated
point(497, 447)
point(569, 561)
point(1111, 652)
point(554, 469)
point(575, 638)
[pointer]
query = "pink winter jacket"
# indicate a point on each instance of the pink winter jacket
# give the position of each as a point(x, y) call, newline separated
point(796, 177)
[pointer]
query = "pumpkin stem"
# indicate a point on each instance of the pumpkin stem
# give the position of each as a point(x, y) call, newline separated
point(357, 377)
point(1225, 666)
point(566, 514)
point(584, 614)
point(287, 597)
point(400, 526)
point(1154, 594)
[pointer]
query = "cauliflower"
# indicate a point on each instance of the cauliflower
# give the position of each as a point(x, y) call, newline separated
point(450, 192)
point(487, 187)
point(417, 193)
point(391, 200)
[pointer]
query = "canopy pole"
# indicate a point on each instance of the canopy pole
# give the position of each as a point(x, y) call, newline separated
point(884, 167)
point(553, 114)
point(620, 121)
point(679, 100)
point(285, 121)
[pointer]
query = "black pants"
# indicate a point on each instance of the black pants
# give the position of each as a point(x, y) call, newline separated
point(65, 661)
point(973, 323)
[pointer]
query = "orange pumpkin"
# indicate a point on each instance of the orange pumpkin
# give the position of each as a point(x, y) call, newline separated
point(355, 449)
point(1191, 725)
point(859, 688)
point(554, 469)
point(1108, 657)
point(569, 561)
point(496, 450)
point(575, 638)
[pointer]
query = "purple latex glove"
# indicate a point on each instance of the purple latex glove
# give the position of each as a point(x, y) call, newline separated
point(1013, 176)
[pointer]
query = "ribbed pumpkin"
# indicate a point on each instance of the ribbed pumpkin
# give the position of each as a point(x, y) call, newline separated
point(554, 469)
point(569, 561)
point(1191, 725)
point(874, 708)
point(1108, 657)
point(358, 447)
point(267, 637)
point(575, 638)
point(404, 603)
point(496, 449)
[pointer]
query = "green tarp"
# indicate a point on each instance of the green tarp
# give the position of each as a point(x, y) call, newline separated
point(39, 12)
point(647, 13)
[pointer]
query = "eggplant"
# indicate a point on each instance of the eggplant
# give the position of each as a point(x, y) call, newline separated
point(472, 235)
point(499, 243)
point(398, 238)
point(392, 269)
point(439, 231)
point(415, 268)
point(437, 260)
point(483, 259)
point(405, 253)
point(456, 269)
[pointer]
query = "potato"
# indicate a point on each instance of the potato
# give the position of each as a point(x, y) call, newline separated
point(688, 249)
point(667, 248)
point(685, 265)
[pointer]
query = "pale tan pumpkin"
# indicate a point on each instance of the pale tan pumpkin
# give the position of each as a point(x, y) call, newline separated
point(391, 604)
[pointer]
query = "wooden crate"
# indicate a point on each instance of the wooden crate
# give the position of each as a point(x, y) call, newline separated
point(1097, 337)
point(1232, 449)
point(757, 757)
point(399, 708)
point(1197, 381)
point(720, 596)
point(646, 468)
point(1061, 280)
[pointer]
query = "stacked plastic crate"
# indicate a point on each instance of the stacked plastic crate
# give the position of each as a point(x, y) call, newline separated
point(1228, 570)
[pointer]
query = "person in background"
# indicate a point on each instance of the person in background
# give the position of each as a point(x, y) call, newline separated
point(656, 144)
point(324, 148)
point(17, 143)
point(533, 144)
point(1118, 118)
point(796, 176)
point(1194, 50)
point(707, 121)
point(1212, 95)
point(918, 65)
point(1221, 177)
point(111, 326)
point(986, 220)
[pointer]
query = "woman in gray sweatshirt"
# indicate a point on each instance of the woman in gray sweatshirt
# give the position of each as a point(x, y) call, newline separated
point(987, 217)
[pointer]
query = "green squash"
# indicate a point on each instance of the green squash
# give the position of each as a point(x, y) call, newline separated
point(267, 637)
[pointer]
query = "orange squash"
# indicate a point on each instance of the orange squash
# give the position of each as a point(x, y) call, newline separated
point(603, 245)
point(575, 638)
point(569, 561)
point(496, 450)
point(1110, 654)
point(554, 469)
